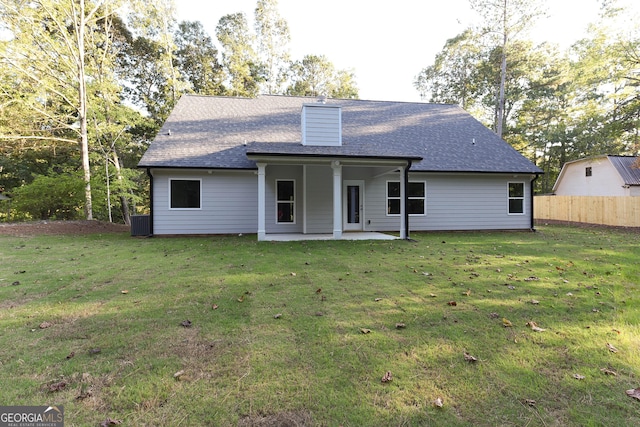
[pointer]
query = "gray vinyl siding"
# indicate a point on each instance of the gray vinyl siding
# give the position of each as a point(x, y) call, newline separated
point(454, 202)
point(319, 199)
point(229, 203)
point(321, 125)
point(274, 173)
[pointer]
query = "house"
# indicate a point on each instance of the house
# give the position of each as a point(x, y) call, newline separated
point(599, 176)
point(280, 164)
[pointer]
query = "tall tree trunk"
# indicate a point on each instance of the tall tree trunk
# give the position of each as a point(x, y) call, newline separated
point(124, 203)
point(82, 109)
point(503, 72)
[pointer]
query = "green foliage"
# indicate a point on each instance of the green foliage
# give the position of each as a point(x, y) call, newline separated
point(197, 59)
point(54, 196)
point(558, 106)
point(315, 75)
point(273, 37)
point(240, 365)
point(239, 59)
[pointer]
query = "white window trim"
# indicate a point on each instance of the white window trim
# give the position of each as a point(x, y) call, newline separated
point(387, 198)
point(295, 205)
point(524, 194)
point(184, 179)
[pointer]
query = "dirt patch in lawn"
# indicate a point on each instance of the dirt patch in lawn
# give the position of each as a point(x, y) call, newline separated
point(38, 228)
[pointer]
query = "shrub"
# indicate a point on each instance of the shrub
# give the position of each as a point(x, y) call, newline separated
point(51, 197)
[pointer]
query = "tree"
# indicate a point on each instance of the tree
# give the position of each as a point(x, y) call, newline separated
point(453, 78)
point(345, 86)
point(239, 58)
point(504, 20)
point(196, 58)
point(49, 49)
point(315, 75)
point(272, 34)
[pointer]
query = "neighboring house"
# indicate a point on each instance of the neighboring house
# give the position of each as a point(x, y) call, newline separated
point(599, 176)
point(278, 164)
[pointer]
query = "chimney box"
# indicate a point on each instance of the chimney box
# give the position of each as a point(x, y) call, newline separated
point(322, 125)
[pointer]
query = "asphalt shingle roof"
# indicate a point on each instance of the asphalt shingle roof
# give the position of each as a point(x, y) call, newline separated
point(218, 132)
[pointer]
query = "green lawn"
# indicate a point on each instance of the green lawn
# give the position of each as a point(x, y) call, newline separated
point(301, 333)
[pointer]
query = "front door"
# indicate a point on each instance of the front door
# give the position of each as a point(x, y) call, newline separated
point(353, 205)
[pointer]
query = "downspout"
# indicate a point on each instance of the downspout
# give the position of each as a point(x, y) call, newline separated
point(406, 198)
point(533, 228)
point(150, 201)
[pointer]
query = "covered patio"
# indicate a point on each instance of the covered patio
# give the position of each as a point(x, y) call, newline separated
point(294, 237)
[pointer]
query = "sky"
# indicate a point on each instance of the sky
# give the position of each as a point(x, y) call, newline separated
point(387, 43)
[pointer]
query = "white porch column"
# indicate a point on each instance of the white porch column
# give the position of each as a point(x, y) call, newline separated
point(403, 207)
point(261, 201)
point(337, 199)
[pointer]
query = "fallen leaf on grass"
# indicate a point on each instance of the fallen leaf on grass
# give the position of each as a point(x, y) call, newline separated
point(57, 386)
point(400, 325)
point(432, 295)
point(110, 422)
point(214, 306)
point(318, 290)
point(531, 279)
point(277, 316)
point(470, 358)
point(378, 299)
point(494, 315)
point(452, 303)
point(535, 327)
point(506, 322)
point(608, 371)
point(530, 402)
point(578, 376)
point(611, 348)
point(241, 298)
point(178, 374)
point(616, 331)
point(83, 393)
point(293, 274)
point(467, 292)
point(94, 351)
point(365, 330)
point(186, 323)
point(387, 377)
point(45, 325)
point(634, 392)
point(124, 291)
point(438, 403)
point(70, 355)
point(535, 302)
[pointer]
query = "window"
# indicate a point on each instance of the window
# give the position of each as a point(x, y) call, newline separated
point(393, 198)
point(588, 171)
point(184, 193)
point(516, 198)
point(285, 201)
point(416, 194)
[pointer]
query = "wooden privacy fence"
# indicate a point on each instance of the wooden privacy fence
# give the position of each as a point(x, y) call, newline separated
point(619, 211)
